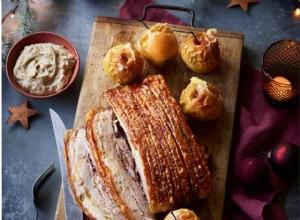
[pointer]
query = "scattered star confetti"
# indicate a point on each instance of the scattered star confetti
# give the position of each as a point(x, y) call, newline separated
point(243, 3)
point(21, 113)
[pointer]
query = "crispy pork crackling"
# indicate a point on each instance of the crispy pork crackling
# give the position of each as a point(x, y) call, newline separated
point(137, 158)
point(170, 162)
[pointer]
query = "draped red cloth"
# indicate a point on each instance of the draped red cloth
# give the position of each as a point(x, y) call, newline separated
point(258, 127)
point(134, 9)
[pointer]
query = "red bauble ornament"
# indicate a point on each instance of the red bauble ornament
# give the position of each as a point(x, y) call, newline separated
point(284, 158)
point(253, 173)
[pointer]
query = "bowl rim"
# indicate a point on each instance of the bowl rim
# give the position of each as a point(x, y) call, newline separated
point(19, 42)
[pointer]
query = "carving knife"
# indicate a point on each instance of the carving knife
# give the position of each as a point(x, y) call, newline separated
point(72, 211)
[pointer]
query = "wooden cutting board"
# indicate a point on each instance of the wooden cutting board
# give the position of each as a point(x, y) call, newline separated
point(217, 135)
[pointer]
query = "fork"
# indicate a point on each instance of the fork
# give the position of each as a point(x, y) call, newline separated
point(38, 184)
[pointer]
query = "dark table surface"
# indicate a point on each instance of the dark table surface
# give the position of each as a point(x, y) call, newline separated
point(26, 154)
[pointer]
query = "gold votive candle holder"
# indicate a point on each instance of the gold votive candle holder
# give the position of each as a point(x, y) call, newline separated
point(281, 70)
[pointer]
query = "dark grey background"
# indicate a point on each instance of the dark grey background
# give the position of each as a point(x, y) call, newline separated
point(26, 154)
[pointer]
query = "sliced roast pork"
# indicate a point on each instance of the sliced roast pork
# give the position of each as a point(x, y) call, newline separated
point(88, 189)
point(105, 185)
point(137, 158)
point(170, 162)
point(112, 156)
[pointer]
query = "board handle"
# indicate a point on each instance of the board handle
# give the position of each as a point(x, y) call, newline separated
point(177, 8)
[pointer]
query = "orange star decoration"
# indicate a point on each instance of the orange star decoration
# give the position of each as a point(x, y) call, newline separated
point(21, 114)
point(243, 3)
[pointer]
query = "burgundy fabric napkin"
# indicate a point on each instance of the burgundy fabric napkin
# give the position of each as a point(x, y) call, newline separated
point(258, 127)
point(133, 9)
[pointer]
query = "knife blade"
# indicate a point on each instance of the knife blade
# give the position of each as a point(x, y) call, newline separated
point(72, 211)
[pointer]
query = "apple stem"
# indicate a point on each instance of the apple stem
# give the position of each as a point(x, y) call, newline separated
point(197, 42)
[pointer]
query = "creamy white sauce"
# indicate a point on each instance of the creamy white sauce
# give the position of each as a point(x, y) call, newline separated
point(44, 69)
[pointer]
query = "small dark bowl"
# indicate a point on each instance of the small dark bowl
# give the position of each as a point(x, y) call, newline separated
point(39, 37)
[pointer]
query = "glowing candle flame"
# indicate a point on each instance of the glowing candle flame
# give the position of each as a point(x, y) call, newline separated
point(297, 12)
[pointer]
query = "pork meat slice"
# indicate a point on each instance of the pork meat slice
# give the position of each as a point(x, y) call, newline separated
point(105, 146)
point(88, 189)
